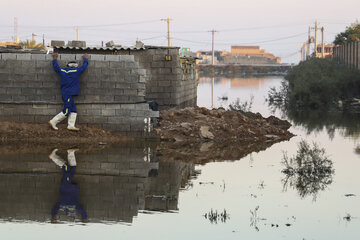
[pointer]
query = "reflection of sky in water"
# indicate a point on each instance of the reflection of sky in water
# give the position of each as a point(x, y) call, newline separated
point(241, 88)
point(320, 219)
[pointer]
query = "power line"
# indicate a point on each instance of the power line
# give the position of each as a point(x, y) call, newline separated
point(86, 26)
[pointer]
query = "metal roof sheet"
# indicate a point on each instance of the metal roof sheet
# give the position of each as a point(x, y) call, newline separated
point(100, 48)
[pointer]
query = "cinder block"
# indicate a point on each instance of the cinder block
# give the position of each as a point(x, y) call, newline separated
point(96, 57)
point(127, 58)
point(30, 65)
point(164, 83)
point(44, 64)
point(112, 57)
point(48, 57)
point(38, 57)
point(130, 64)
point(24, 56)
point(101, 64)
point(67, 57)
point(121, 99)
point(117, 64)
point(4, 77)
point(123, 112)
point(108, 112)
point(137, 86)
point(112, 106)
point(28, 91)
point(123, 85)
point(8, 56)
point(13, 91)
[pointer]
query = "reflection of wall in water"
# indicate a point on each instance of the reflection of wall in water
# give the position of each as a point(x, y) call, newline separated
point(112, 184)
point(163, 191)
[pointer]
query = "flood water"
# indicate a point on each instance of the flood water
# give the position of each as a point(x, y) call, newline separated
point(134, 192)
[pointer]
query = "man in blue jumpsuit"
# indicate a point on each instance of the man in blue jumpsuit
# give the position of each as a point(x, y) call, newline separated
point(69, 193)
point(69, 82)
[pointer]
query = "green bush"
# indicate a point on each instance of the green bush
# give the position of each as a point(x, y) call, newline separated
point(318, 83)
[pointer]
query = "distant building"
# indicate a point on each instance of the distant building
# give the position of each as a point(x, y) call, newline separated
point(328, 50)
point(250, 55)
point(205, 57)
point(8, 44)
point(185, 52)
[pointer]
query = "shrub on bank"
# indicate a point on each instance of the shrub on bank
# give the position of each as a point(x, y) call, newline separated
point(318, 83)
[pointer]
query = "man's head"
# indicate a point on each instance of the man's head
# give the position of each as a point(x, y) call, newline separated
point(72, 64)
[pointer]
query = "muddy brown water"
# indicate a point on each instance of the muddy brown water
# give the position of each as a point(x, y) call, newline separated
point(135, 192)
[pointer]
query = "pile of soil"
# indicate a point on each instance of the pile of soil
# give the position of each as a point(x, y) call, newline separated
point(219, 125)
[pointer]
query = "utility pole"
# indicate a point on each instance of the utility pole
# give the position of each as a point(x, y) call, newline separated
point(16, 40)
point(322, 42)
point(316, 29)
point(308, 44)
point(213, 46)
point(44, 40)
point(77, 33)
point(168, 25)
point(33, 37)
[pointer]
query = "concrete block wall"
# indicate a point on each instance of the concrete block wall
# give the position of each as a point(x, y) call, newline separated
point(171, 81)
point(112, 90)
point(104, 195)
point(173, 176)
point(124, 161)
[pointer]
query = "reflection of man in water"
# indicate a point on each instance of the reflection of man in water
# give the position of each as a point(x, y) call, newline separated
point(69, 194)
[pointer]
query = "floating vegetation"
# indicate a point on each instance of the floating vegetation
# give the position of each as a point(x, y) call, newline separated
point(347, 217)
point(215, 217)
point(309, 171)
point(254, 218)
point(242, 106)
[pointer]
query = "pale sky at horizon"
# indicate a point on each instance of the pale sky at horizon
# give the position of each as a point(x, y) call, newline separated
point(256, 22)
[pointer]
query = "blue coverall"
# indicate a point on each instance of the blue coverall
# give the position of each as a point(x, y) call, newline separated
point(69, 195)
point(69, 82)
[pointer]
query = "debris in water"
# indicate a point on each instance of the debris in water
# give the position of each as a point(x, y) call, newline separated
point(102, 143)
point(348, 217)
point(214, 216)
point(206, 182)
point(350, 195)
point(254, 218)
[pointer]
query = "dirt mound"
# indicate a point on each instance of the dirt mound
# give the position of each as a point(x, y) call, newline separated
point(219, 125)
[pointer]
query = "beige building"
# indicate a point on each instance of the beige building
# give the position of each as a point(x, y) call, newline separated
point(328, 50)
point(250, 55)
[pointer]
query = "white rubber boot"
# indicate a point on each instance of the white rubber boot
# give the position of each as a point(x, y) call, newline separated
point(71, 157)
point(71, 122)
point(56, 159)
point(57, 119)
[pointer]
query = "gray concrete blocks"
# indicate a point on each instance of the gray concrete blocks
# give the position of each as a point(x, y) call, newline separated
point(25, 56)
point(112, 90)
point(127, 58)
point(96, 57)
point(8, 56)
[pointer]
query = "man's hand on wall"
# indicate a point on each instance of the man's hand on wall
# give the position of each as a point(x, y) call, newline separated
point(55, 55)
point(85, 56)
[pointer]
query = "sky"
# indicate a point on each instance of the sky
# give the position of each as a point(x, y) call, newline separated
point(278, 26)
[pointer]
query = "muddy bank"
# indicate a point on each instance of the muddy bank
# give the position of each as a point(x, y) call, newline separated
point(39, 134)
point(194, 125)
